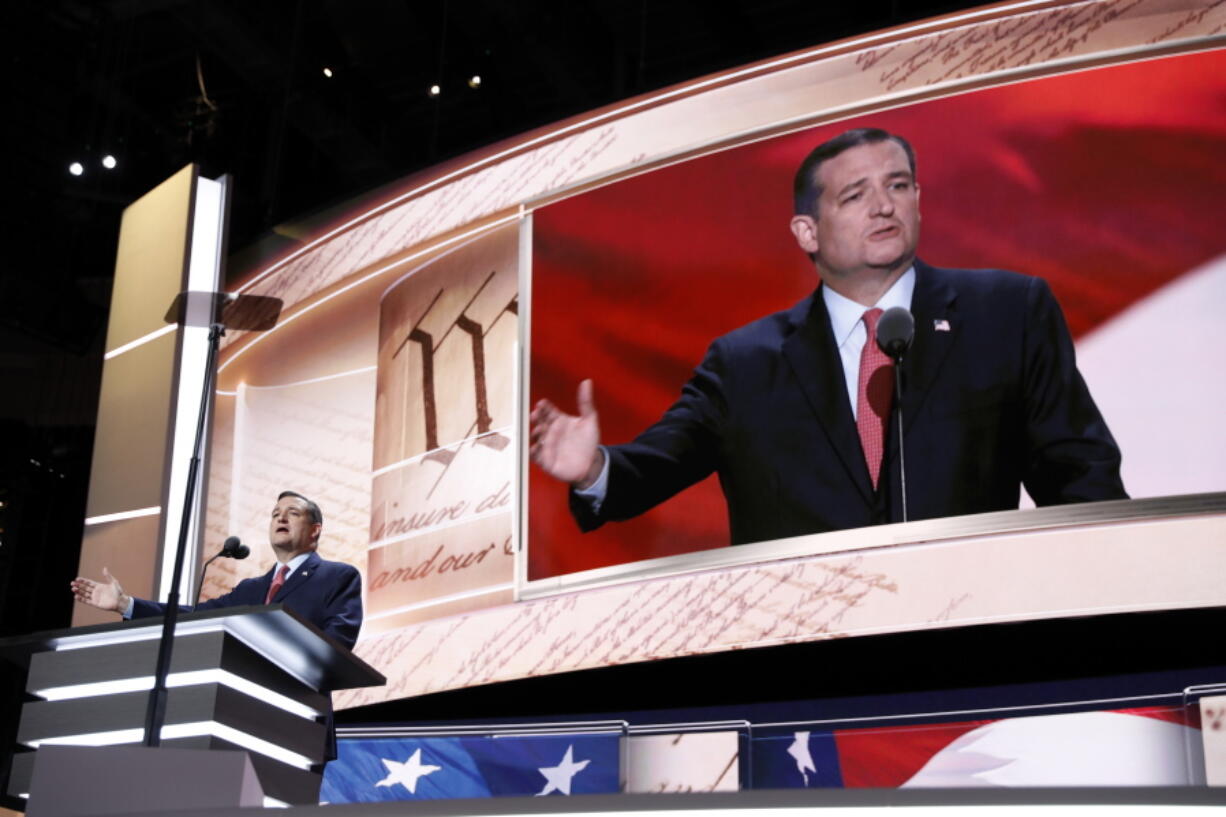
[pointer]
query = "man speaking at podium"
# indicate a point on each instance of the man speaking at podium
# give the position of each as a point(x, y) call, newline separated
point(794, 410)
point(327, 594)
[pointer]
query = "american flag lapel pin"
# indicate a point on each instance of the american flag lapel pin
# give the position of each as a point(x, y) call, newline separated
point(940, 325)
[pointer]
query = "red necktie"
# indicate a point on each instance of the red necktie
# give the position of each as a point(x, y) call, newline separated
point(277, 581)
point(873, 397)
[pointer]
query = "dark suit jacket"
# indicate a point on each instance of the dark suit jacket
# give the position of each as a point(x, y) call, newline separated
point(327, 594)
point(992, 399)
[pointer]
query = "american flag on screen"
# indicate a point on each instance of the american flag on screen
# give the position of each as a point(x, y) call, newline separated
point(439, 768)
point(1155, 746)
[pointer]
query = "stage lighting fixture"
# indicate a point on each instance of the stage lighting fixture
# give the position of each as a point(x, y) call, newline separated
point(76, 168)
point(108, 161)
point(475, 81)
point(435, 90)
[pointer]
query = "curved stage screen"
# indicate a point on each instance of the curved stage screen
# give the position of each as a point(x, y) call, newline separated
point(1103, 182)
point(1078, 142)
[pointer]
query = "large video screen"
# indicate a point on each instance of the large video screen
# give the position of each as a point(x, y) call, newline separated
point(1106, 183)
point(420, 326)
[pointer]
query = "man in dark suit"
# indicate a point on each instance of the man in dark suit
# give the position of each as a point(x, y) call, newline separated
point(328, 594)
point(793, 410)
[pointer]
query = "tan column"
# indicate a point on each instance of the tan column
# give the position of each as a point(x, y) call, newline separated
point(126, 510)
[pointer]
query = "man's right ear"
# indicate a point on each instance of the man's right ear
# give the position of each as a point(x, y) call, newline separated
point(804, 228)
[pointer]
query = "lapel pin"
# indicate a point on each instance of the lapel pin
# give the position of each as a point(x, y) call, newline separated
point(940, 325)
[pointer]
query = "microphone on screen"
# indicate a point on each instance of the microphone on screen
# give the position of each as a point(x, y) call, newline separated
point(895, 331)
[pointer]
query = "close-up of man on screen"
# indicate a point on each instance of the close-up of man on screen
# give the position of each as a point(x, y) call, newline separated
point(795, 411)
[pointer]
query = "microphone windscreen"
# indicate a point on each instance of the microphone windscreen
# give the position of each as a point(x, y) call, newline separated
point(895, 331)
point(234, 548)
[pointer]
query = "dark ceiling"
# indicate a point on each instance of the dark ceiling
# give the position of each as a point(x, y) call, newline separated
point(238, 86)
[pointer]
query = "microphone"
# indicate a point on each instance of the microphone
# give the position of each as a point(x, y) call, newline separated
point(895, 331)
point(233, 548)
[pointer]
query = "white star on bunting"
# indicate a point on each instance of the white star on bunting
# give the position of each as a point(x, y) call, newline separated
point(558, 777)
point(408, 773)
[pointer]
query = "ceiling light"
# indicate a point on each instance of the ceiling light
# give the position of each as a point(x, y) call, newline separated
point(76, 168)
point(474, 81)
point(108, 161)
point(435, 90)
point(328, 73)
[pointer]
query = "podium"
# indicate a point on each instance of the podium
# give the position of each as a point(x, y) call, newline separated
point(254, 679)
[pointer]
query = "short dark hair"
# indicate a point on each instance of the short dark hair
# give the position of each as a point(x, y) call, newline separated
point(317, 516)
point(805, 189)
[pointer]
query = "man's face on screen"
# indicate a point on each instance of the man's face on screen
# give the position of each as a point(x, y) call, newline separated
point(868, 213)
point(291, 531)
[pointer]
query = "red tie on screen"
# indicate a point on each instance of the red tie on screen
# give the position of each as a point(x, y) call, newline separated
point(277, 581)
point(873, 396)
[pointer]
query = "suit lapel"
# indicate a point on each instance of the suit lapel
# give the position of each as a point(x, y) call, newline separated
point(814, 358)
point(936, 331)
point(298, 578)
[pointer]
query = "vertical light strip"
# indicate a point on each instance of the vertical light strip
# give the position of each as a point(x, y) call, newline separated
point(238, 458)
point(523, 348)
point(203, 275)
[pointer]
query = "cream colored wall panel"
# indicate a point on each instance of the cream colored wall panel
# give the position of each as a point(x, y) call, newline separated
point(127, 471)
point(122, 548)
point(1078, 570)
point(149, 264)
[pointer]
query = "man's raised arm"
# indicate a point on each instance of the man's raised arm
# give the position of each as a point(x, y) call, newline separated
point(565, 446)
point(105, 595)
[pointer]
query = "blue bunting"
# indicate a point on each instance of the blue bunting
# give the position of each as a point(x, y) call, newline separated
point(436, 768)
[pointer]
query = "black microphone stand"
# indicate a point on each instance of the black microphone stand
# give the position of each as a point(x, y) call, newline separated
point(200, 582)
point(902, 457)
point(238, 551)
point(895, 332)
point(155, 714)
point(251, 312)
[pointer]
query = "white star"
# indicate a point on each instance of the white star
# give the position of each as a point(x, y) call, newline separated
point(804, 758)
point(559, 776)
point(408, 773)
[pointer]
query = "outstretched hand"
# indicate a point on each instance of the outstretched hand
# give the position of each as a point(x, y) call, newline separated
point(566, 446)
point(105, 595)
